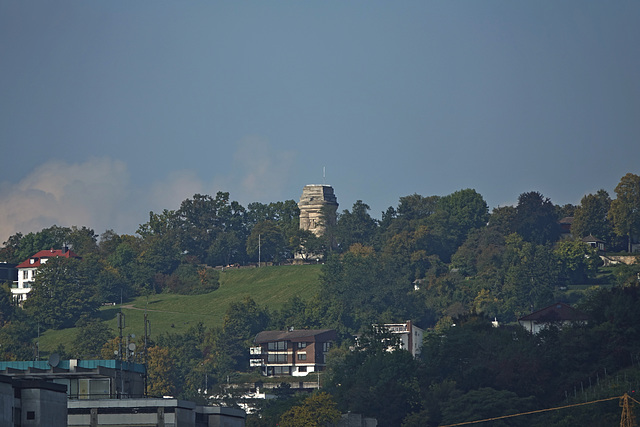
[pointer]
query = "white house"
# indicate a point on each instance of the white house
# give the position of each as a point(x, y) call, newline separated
point(558, 314)
point(28, 268)
point(410, 336)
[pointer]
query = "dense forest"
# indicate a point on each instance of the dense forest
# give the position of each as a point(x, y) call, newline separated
point(445, 262)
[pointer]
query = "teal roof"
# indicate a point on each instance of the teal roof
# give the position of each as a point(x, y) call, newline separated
point(64, 364)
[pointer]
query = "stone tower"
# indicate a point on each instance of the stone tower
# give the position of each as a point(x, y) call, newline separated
point(316, 202)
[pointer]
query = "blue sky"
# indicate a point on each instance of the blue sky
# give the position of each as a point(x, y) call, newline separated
point(109, 110)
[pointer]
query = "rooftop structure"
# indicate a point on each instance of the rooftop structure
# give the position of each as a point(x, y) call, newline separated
point(32, 403)
point(84, 379)
point(95, 393)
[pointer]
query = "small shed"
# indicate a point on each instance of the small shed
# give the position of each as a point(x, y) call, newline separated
point(594, 242)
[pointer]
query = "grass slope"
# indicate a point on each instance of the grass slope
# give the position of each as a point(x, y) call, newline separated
point(268, 286)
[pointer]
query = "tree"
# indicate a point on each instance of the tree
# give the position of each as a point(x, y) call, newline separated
point(109, 241)
point(315, 411)
point(266, 242)
point(91, 337)
point(9, 252)
point(7, 309)
point(161, 372)
point(22, 247)
point(16, 340)
point(481, 251)
point(184, 357)
point(592, 217)
point(456, 215)
point(625, 209)
point(465, 210)
point(307, 245)
point(126, 275)
point(536, 219)
point(200, 220)
point(578, 262)
point(503, 219)
point(416, 207)
point(374, 381)
point(82, 240)
point(242, 321)
point(225, 249)
point(356, 226)
point(61, 294)
point(360, 288)
point(530, 274)
point(284, 214)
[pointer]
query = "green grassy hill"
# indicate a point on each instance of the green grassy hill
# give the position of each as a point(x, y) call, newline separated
point(268, 286)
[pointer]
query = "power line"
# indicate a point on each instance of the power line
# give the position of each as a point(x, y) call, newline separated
point(532, 412)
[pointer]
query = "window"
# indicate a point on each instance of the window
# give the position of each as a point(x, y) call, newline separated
point(277, 345)
point(302, 369)
point(31, 415)
point(281, 370)
point(25, 274)
point(302, 356)
point(277, 358)
point(326, 346)
point(302, 344)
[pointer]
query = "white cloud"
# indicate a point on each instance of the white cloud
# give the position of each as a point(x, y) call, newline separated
point(259, 172)
point(170, 192)
point(100, 194)
point(95, 194)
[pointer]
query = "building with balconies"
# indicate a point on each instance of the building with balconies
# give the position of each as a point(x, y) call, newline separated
point(292, 352)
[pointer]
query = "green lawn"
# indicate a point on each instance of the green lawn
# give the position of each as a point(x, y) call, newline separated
point(268, 286)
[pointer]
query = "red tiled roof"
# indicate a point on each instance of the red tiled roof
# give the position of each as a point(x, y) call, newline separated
point(557, 312)
point(300, 335)
point(48, 253)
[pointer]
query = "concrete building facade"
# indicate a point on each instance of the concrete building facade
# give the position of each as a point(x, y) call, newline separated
point(152, 413)
point(95, 393)
point(32, 403)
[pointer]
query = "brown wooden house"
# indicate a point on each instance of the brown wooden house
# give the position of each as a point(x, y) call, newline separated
point(292, 352)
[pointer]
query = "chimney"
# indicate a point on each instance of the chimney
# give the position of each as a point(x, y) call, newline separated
point(65, 248)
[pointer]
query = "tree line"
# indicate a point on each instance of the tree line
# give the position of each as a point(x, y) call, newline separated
point(435, 260)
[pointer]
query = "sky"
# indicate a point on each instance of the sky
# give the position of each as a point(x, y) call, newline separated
point(112, 109)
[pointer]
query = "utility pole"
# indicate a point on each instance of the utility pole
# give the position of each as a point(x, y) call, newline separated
point(259, 248)
point(626, 419)
point(38, 344)
point(147, 331)
point(120, 328)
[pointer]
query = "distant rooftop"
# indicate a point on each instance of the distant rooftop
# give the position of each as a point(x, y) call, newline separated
point(26, 365)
